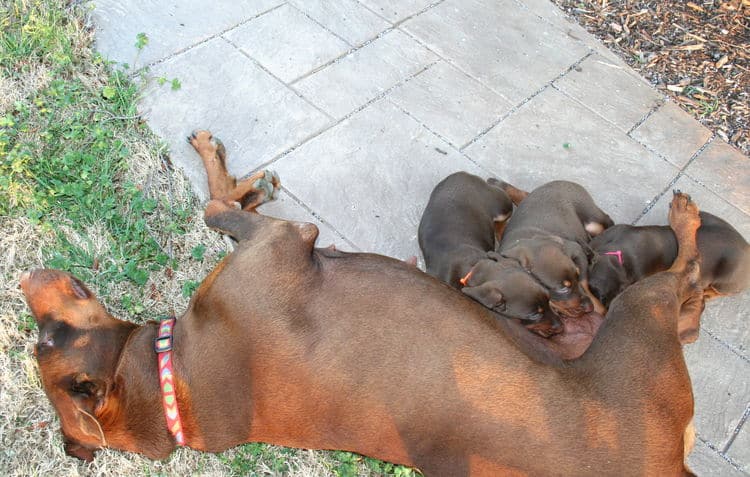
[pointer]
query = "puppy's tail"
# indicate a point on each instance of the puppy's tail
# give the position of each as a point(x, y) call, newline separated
point(515, 194)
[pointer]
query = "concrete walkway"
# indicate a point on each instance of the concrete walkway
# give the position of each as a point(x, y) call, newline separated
point(362, 106)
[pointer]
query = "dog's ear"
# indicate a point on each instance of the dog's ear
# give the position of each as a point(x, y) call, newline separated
point(520, 254)
point(576, 252)
point(494, 256)
point(88, 395)
point(76, 450)
point(488, 294)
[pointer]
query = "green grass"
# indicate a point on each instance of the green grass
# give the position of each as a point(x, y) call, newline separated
point(63, 151)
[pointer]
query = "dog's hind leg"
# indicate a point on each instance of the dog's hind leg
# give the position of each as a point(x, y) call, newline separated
point(685, 221)
point(516, 195)
point(249, 193)
point(241, 225)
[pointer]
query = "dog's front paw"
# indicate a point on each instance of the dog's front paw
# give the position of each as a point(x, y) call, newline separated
point(206, 144)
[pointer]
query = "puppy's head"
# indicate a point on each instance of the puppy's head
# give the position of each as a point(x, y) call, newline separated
point(79, 344)
point(560, 266)
point(607, 278)
point(503, 286)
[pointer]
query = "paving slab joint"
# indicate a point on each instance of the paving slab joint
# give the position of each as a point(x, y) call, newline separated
point(645, 117)
point(342, 56)
point(407, 18)
point(737, 429)
point(726, 458)
point(525, 100)
point(265, 70)
point(671, 183)
point(320, 25)
point(321, 219)
point(444, 139)
point(731, 348)
point(344, 118)
point(205, 40)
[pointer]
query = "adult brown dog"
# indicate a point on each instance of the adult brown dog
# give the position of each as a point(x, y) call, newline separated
point(365, 353)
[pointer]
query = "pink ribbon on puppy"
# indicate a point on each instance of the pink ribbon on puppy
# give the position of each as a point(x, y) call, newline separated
point(616, 253)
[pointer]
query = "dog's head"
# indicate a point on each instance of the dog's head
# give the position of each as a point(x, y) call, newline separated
point(503, 286)
point(607, 278)
point(78, 348)
point(560, 266)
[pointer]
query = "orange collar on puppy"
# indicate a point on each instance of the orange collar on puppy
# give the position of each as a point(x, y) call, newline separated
point(465, 279)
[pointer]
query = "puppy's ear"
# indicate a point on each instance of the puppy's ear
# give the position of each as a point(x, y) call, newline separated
point(521, 254)
point(488, 294)
point(494, 256)
point(576, 252)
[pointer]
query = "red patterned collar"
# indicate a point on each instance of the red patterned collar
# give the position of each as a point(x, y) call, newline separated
point(163, 348)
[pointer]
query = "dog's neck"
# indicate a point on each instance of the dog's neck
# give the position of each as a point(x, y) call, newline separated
point(133, 417)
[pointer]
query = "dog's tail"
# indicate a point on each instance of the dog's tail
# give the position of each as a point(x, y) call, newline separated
point(515, 194)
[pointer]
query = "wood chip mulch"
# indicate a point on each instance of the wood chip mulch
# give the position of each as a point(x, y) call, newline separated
point(696, 51)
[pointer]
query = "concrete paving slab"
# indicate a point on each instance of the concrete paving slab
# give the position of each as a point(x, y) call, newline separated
point(727, 319)
point(287, 42)
point(673, 133)
point(724, 170)
point(371, 177)
point(254, 114)
point(346, 18)
point(361, 76)
point(554, 137)
point(721, 386)
point(450, 103)
point(508, 50)
point(171, 25)
point(740, 449)
point(285, 207)
point(610, 91)
point(396, 10)
point(706, 462)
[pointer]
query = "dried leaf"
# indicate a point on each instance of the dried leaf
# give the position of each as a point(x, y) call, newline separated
point(722, 61)
point(696, 7)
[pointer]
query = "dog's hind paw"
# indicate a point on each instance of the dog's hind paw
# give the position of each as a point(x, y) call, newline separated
point(683, 214)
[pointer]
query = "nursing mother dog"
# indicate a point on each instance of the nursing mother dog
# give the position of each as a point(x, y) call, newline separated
point(365, 353)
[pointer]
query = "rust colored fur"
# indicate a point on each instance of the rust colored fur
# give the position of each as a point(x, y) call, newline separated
point(364, 353)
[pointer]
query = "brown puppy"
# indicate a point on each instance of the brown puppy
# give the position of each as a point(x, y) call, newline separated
point(327, 351)
point(545, 235)
point(625, 254)
point(504, 287)
point(463, 218)
point(459, 225)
